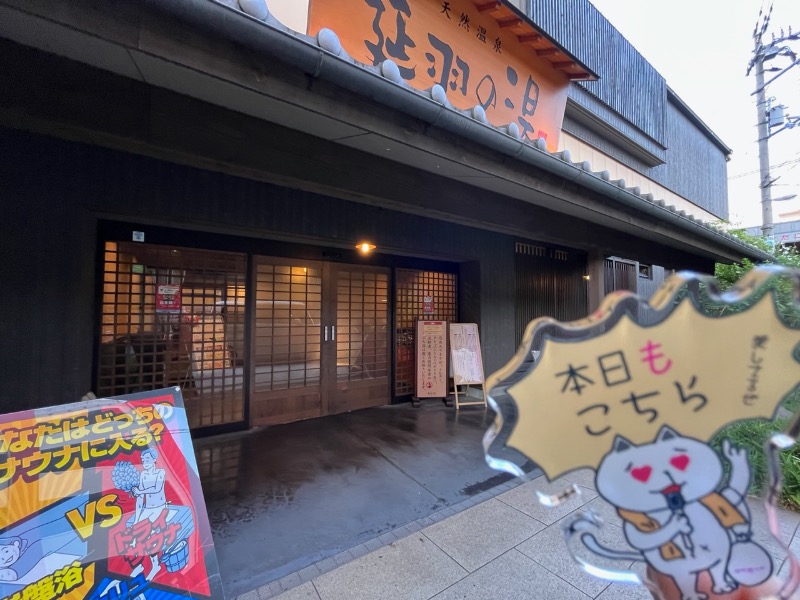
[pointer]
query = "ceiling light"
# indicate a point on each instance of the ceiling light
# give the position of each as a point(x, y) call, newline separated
point(365, 247)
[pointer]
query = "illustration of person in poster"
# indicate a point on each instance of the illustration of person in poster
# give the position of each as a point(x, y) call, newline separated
point(150, 501)
point(157, 531)
point(10, 551)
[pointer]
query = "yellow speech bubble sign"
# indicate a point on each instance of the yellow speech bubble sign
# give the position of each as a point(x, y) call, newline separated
point(690, 371)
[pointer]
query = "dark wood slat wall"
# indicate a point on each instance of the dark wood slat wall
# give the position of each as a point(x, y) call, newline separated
point(648, 287)
point(641, 110)
point(602, 143)
point(549, 283)
point(695, 167)
point(48, 276)
point(628, 83)
point(581, 100)
point(56, 193)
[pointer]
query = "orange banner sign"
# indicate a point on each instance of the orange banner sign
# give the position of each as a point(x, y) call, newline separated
point(453, 44)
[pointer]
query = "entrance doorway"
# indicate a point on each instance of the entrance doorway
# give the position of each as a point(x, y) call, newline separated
point(419, 295)
point(321, 342)
point(162, 325)
point(280, 341)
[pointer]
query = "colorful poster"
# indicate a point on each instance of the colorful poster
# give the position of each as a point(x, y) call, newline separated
point(101, 499)
point(168, 299)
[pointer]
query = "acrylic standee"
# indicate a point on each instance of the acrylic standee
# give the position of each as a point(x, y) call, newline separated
point(641, 393)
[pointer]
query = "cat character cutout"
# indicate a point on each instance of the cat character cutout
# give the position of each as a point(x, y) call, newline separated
point(635, 392)
point(679, 515)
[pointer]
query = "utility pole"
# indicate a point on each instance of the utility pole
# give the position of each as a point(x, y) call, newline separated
point(765, 182)
point(761, 54)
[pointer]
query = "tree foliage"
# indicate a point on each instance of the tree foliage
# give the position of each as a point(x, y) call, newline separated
point(728, 274)
point(752, 434)
point(783, 288)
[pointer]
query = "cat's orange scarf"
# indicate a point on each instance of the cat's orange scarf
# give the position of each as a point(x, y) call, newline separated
point(725, 512)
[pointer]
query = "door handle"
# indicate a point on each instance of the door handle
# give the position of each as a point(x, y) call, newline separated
point(333, 332)
point(326, 333)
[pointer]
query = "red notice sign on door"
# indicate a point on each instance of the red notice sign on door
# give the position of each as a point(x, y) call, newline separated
point(168, 299)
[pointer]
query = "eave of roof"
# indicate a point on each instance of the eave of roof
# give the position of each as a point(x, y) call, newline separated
point(528, 34)
point(323, 57)
point(537, 151)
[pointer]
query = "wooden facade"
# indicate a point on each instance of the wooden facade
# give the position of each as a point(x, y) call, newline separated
point(200, 137)
point(656, 133)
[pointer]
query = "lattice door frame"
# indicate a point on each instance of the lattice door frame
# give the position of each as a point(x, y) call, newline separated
point(412, 287)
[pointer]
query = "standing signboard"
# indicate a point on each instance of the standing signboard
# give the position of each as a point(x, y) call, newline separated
point(101, 499)
point(466, 360)
point(431, 359)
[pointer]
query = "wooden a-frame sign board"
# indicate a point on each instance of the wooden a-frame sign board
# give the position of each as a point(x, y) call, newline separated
point(466, 362)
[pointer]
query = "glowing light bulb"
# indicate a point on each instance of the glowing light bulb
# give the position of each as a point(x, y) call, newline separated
point(365, 247)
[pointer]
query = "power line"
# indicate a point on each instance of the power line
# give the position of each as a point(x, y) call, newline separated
point(787, 162)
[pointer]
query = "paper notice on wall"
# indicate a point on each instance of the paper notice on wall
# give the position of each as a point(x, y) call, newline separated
point(431, 359)
point(465, 351)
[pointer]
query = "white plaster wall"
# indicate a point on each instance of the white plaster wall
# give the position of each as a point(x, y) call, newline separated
point(292, 13)
point(581, 151)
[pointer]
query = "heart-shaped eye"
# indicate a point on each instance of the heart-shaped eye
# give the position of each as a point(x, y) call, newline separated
point(679, 462)
point(642, 473)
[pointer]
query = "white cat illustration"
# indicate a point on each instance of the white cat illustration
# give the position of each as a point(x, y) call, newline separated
point(678, 515)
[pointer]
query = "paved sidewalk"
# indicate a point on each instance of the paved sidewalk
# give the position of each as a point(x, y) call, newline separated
point(503, 545)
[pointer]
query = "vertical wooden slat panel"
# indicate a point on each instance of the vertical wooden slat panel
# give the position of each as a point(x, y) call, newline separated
point(620, 275)
point(694, 165)
point(549, 283)
point(628, 83)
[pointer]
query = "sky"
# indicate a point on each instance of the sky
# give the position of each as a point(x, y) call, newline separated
point(702, 48)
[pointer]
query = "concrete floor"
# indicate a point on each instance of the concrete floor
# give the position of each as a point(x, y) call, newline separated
point(282, 498)
point(508, 547)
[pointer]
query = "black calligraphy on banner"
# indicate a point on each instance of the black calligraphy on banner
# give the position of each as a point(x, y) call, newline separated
point(446, 67)
point(530, 99)
point(445, 71)
point(487, 97)
point(384, 45)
